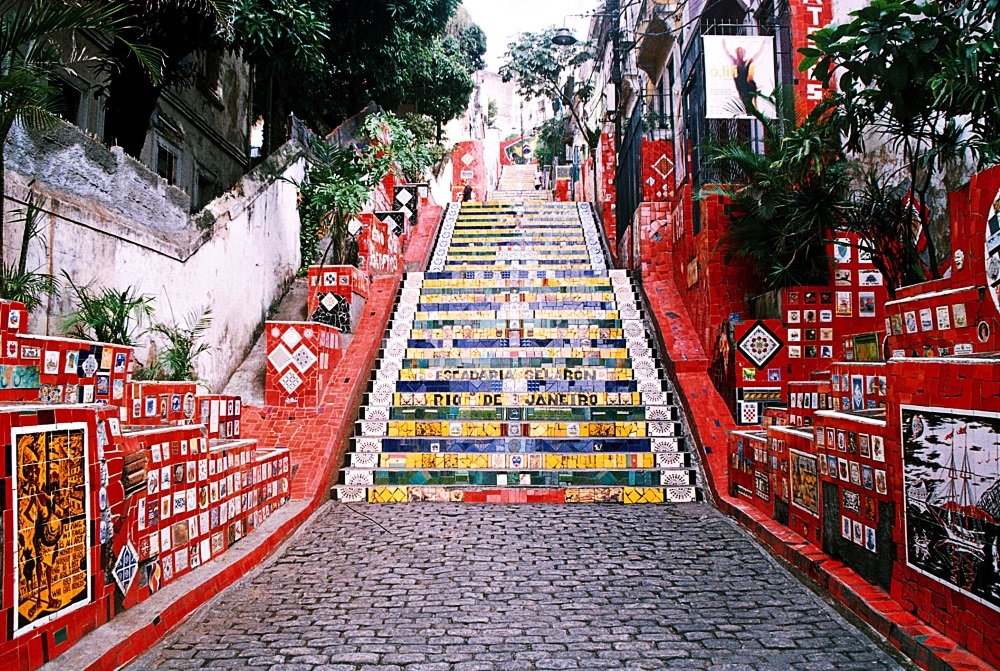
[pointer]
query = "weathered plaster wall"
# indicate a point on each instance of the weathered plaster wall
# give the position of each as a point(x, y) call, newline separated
point(111, 222)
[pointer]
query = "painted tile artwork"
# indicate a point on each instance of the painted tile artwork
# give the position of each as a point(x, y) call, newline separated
point(52, 533)
point(951, 486)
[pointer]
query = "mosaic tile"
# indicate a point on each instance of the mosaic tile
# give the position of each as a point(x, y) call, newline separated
point(518, 362)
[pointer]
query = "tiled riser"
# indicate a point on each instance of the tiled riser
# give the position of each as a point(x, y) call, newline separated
point(518, 369)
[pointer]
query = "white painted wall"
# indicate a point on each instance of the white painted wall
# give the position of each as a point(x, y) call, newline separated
point(236, 257)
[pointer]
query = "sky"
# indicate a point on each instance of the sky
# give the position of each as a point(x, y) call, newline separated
point(504, 19)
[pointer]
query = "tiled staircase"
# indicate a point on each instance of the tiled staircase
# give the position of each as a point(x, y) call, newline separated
point(517, 185)
point(518, 369)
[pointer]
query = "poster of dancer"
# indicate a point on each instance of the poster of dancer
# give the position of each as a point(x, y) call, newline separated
point(951, 485)
point(739, 75)
point(52, 537)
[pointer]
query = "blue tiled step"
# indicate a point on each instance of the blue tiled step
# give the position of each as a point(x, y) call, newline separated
point(518, 362)
point(522, 306)
point(521, 324)
point(518, 445)
point(519, 429)
point(600, 478)
point(504, 291)
point(469, 343)
point(513, 274)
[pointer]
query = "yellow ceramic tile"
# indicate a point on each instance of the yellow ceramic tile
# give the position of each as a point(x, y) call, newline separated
point(387, 494)
point(642, 495)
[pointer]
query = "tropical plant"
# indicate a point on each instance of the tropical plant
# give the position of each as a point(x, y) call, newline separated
point(17, 283)
point(335, 188)
point(882, 217)
point(108, 315)
point(786, 201)
point(31, 59)
point(340, 181)
point(921, 76)
point(176, 360)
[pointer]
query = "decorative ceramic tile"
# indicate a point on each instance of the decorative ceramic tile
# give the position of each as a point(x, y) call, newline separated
point(290, 381)
point(759, 345)
point(291, 338)
point(304, 358)
point(280, 358)
point(352, 494)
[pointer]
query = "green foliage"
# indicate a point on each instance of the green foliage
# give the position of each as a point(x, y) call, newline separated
point(335, 188)
point(31, 59)
point(108, 315)
point(441, 81)
point(176, 360)
point(553, 136)
point(922, 75)
point(424, 131)
point(340, 181)
point(786, 201)
point(539, 67)
point(277, 35)
point(17, 283)
point(491, 112)
point(882, 216)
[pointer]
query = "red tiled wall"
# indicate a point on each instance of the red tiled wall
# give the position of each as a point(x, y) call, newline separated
point(970, 386)
point(476, 164)
point(159, 403)
point(305, 381)
point(220, 415)
point(750, 470)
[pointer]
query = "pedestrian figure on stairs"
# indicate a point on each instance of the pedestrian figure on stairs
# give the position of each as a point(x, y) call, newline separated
point(467, 192)
point(538, 181)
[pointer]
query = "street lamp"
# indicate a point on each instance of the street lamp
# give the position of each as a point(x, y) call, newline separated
point(564, 38)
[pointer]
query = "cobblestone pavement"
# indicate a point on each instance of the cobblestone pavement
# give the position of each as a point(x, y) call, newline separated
point(439, 587)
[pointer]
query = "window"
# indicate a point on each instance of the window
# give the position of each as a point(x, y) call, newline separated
point(68, 101)
point(166, 163)
point(205, 189)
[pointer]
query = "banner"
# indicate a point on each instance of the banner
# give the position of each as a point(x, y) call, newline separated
point(738, 70)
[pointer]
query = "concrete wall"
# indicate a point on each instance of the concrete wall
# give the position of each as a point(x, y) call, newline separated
point(111, 222)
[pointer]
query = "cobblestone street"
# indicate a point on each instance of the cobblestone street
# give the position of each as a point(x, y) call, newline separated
point(437, 587)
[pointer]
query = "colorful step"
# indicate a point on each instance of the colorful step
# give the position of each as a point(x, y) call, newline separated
point(518, 369)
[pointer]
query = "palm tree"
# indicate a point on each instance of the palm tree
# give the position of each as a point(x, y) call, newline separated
point(786, 201)
point(31, 57)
